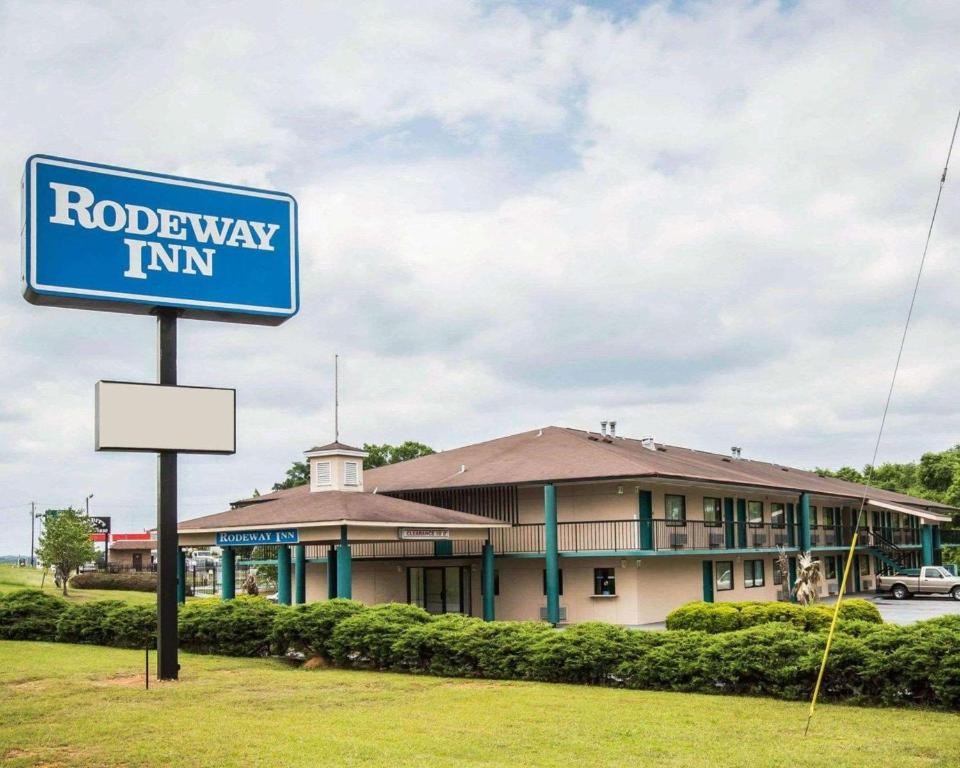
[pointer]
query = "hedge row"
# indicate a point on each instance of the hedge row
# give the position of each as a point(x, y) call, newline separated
point(133, 581)
point(870, 662)
point(729, 617)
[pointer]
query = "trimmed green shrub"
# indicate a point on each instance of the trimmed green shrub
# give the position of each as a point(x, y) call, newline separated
point(728, 617)
point(239, 627)
point(443, 646)
point(585, 653)
point(308, 628)
point(704, 617)
point(858, 609)
point(130, 626)
point(84, 622)
point(29, 614)
point(669, 661)
point(132, 581)
point(367, 638)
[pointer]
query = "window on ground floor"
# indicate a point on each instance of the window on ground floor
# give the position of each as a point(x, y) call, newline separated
point(777, 575)
point(560, 579)
point(864, 565)
point(675, 509)
point(724, 579)
point(755, 512)
point(778, 515)
point(830, 567)
point(712, 511)
point(753, 573)
point(604, 581)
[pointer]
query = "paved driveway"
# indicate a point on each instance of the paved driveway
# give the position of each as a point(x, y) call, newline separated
point(914, 609)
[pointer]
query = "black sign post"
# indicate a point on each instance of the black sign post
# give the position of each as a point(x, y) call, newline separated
point(102, 525)
point(168, 667)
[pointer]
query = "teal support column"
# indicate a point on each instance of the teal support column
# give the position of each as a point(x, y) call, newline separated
point(228, 560)
point(728, 523)
point(344, 566)
point(937, 546)
point(300, 572)
point(708, 581)
point(489, 583)
point(443, 548)
point(181, 576)
point(791, 526)
point(742, 523)
point(332, 573)
point(552, 553)
point(926, 540)
point(283, 574)
point(645, 514)
point(805, 533)
point(792, 570)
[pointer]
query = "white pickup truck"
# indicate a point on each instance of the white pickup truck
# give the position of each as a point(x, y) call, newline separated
point(929, 580)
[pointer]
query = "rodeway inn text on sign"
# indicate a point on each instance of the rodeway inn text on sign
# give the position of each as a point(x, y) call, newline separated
point(110, 238)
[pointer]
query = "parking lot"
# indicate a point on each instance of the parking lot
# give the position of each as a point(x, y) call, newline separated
point(909, 611)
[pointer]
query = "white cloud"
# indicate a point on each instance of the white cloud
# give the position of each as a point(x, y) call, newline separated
point(702, 220)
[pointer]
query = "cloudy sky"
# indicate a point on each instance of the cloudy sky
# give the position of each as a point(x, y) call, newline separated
point(702, 220)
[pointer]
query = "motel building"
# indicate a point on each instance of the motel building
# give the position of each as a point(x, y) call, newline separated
point(563, 525)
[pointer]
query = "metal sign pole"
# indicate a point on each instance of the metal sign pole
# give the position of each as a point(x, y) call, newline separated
point(168, 666)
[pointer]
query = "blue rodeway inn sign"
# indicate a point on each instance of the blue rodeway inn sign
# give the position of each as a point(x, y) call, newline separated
point(248, 538)
point(100, 237)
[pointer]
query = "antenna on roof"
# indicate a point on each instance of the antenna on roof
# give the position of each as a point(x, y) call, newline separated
point(336, 398)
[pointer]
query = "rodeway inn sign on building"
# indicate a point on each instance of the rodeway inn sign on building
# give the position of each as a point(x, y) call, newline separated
point(100, 237)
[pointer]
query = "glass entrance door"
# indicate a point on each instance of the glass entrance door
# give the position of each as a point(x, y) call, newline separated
point(440, 590)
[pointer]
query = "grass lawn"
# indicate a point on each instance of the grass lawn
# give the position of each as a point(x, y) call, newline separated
point(70, 705)
point(12, 578)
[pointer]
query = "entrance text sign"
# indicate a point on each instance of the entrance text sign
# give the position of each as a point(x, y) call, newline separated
point(100, 237)
point(424, 534)
point(251, 538)
point(150, 417)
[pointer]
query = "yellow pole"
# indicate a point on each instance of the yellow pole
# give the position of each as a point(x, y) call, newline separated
point(833, 625)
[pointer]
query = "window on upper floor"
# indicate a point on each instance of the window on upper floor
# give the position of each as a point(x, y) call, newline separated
point(675, 509)
point(778, 515)
point(829, 516)
point(813, 517)
point(755, 513)
point(712, 511)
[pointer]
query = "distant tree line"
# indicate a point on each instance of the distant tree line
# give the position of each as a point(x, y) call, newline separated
point(379, 455)
point(936, 476)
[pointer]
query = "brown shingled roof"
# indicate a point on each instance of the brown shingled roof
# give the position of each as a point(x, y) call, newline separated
point(299, 506)
point(141, 544)
point(556, 454)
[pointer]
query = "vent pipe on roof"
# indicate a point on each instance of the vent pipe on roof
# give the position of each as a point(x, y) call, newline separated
point(648, 443)
point(603, 429)
point(735, 451)
point(613, 429)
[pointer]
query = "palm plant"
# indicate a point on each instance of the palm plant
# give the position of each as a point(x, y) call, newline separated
point(809, 579)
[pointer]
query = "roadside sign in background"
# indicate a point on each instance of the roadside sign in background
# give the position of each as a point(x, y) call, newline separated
point(100, 237)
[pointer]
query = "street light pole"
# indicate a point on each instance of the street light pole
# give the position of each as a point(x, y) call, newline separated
point(33, 507)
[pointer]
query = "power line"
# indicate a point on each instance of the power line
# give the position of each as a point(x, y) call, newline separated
point(883, 422)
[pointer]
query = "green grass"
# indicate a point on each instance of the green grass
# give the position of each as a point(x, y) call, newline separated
point(12, 578)
point(63, 705)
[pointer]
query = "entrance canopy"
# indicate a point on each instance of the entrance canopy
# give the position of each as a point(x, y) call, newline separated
point(319, 518)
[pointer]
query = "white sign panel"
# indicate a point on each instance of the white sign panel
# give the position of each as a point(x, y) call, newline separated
point(150, 417)
point(424, 534)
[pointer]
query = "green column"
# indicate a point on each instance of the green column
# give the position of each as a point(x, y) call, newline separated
point(728, 524)
point(344, 566)
point(552, 553)
point(181, 576)
point(283, 574)
point(228, 559)
point(805, 533)
point(332, 573)
point(791, 529)
point(926, 540)
point(300, 561)
point(489, 584)
point(742, 523)
point(708, 581)
point(937, 546)
point(646, 519)
point(792, 571)
point(443, 548)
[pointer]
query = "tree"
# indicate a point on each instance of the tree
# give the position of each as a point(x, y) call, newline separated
point(65, 542)
point(378, 456)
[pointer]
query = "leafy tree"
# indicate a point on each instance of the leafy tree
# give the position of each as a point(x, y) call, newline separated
point(391, 454)
point(379, 455)
point(65, 542)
